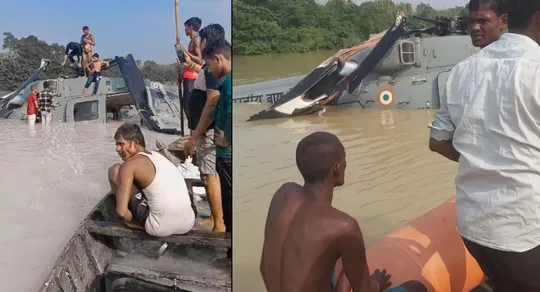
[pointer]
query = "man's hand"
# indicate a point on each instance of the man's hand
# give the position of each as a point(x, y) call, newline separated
point(134, 226)
point(381, 279)
point(63, 63)
point(220, 139)
point(189, 147)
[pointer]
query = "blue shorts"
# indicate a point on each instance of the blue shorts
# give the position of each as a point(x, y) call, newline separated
point(397, 289)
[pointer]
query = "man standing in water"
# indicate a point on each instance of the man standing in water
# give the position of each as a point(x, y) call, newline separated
point(32, 106)
point(189, 76)
point(305, 237)
point(488, 122)
point(45, 103)
point(164, 206)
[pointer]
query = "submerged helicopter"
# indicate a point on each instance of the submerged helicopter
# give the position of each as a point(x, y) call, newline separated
point(396, 69)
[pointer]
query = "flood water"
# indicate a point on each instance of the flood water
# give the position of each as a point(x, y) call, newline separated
point(391, 176)
point(249, 69)
point(50, 178)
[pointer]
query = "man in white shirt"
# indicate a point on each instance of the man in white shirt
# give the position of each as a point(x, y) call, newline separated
point(164, 206)
point(489, 122)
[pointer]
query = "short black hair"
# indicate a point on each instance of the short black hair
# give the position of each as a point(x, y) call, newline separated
point(520, 13)
point(46, 84)
point(130, 132)
point(212, 32)
point(95, 55)
point(85, 27)
point(219, 47)
point(500, 7)
point(194, 22)
point(316, 154)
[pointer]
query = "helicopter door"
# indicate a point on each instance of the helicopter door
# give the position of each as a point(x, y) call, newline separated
point(441, 84)
point(91, 109)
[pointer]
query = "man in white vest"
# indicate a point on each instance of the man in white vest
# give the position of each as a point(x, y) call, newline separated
point(164, 206)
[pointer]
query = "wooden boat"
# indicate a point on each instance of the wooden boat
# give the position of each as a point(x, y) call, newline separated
point(104, 255)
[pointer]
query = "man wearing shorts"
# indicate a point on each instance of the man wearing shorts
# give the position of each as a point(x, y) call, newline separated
point(88, 41)
point(164, 206)
point(206, 90)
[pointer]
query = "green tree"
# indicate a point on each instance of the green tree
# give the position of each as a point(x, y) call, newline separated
point(295, 26)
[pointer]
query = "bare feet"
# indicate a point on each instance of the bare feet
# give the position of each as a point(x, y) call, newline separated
point(208, 222)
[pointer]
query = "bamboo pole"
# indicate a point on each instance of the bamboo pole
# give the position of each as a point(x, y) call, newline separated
point(180, 68)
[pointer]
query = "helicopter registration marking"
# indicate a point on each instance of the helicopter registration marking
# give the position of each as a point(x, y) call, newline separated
point(386, 97)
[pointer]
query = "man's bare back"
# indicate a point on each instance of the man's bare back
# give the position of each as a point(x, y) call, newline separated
point(283, 207)
point(311, 247)
point(307, 240)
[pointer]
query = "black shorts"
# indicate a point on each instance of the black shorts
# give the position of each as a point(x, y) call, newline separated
point(139, 209)
point(508, 271)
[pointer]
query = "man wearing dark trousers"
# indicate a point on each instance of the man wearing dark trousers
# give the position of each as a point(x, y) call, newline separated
point(218, 58)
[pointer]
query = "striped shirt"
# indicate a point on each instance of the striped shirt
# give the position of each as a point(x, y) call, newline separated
point(45, 101)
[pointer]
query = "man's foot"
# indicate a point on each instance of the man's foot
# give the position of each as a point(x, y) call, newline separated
point(208, 222)
point(223, 263)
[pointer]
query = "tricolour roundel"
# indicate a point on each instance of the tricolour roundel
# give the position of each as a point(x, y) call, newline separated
point(386, 97)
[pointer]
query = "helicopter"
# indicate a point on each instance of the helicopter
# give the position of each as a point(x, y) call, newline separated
point(396, 69)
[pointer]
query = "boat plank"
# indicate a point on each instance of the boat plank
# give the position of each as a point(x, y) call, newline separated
point(187, 281)
point(194, 237)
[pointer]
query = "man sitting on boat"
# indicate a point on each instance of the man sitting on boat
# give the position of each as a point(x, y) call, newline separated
point(163, 206)
point(310, 245)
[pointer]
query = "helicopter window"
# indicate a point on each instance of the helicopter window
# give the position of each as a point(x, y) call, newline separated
point(407, 53)
point(86, 111)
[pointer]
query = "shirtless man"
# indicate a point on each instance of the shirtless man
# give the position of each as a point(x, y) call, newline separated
point(88, 41)
point(95, 76)
point(192, 27)
point(164, 206)
point(307, 240)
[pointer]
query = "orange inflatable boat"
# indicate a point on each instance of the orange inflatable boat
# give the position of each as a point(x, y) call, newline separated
point(429, 250)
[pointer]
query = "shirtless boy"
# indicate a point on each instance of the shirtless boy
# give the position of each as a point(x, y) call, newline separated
point(95, 76)
point(88, 41)
point(307, 240)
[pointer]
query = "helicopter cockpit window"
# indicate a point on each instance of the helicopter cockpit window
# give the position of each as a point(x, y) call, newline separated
point(407, 53)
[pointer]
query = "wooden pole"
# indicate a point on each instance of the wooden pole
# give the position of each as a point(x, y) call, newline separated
point(180, 69)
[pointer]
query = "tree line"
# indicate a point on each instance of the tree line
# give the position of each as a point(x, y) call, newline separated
point(297, 26)
point(22, 56)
